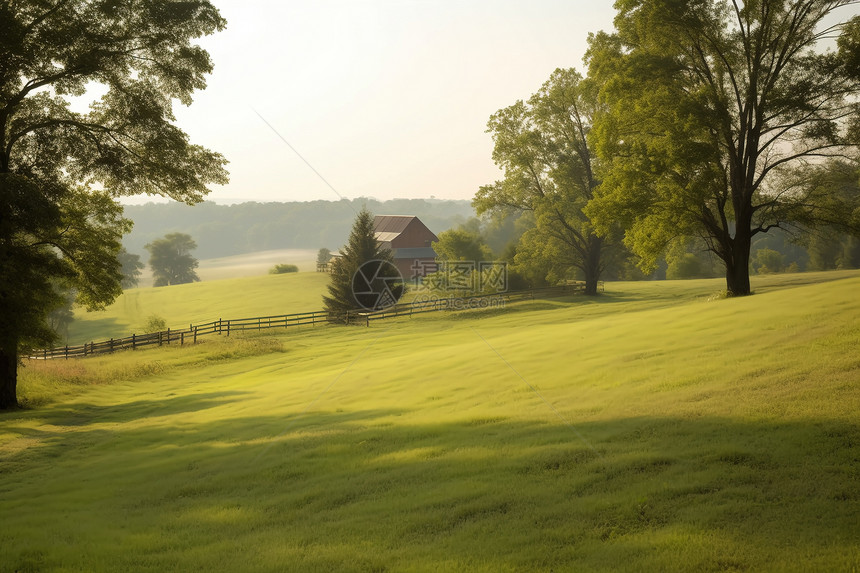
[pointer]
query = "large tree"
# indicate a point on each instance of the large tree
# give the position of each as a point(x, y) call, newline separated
point(712, 108)
point(61, 169)
point(542, 147)
point(171, 260)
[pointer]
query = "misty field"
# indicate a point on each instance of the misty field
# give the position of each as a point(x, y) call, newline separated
point(654, 428)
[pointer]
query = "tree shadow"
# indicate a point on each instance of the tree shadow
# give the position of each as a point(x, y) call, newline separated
point(379, 487)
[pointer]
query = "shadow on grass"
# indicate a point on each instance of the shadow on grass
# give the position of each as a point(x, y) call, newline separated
point(96, 329)
point(83, 414)
point(382, 488)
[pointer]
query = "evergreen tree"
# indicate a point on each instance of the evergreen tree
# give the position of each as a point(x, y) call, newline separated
point(362, 247)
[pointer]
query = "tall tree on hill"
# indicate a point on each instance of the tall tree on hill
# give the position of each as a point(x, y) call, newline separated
point(362, 247)
point(61, 170)
point(542, 146)
point(171, 261)
point(711, 110)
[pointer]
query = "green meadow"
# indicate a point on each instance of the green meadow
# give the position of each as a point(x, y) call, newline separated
point(654, 428)
point(181, 305)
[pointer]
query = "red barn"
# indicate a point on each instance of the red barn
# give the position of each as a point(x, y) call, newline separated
point(410, 241)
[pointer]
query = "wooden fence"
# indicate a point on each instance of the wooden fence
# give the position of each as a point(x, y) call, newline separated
point(190, 335)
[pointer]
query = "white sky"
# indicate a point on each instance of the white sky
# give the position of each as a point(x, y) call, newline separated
point(386, 99)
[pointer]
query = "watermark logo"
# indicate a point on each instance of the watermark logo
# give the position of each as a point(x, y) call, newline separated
point(461, 277)
point(377, 285)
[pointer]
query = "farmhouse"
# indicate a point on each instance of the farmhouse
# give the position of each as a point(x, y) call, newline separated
point(410, 242)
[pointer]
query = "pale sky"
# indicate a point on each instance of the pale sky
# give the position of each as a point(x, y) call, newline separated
point(386, 99)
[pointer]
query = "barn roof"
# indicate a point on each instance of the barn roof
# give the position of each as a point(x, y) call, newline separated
point(386, 236)
point(392, 223)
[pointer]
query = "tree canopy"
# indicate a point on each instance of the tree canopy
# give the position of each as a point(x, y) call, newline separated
point(542, 147)
point(61, 169)
point(462, 244)
point(171, 261)
point(712, 114)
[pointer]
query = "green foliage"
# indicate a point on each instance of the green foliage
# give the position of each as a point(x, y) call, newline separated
point(686, 266)
point(541, 145)
point(835, 244)
point(462, 245)
point(51, 233)
point(768, 261)
point(171, 261)
point(706, 111)
point(130, 267)
point(61, 170)
point(154, 323)
point(361, 248)
point(283, 268)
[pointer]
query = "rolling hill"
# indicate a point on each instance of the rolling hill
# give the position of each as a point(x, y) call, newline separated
point(653, 428)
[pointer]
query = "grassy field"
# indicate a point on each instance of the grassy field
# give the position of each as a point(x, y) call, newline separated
point(181, 305)
point(650, 429)
point(245, 265)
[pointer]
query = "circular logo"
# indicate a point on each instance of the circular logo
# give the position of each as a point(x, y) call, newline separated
point(377, 285)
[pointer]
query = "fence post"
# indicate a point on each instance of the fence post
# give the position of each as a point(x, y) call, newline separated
point(160, 338)
point(133, 342)
point(195, 335)
point(182, 338)
point(168, 337)
point(228, 328)
point(111, 345)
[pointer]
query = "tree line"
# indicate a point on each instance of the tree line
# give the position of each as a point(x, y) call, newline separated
point(225, 230)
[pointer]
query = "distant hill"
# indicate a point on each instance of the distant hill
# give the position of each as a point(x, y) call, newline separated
point(225, 230)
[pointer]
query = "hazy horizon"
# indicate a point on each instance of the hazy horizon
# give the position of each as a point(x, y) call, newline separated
point(383, 99)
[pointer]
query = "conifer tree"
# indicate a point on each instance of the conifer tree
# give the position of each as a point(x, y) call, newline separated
point(362, 247)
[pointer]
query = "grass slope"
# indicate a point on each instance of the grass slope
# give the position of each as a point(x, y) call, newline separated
point(181, 305)
point(647, 430)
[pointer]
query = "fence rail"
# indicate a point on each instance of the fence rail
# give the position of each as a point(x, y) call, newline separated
point(190, 335)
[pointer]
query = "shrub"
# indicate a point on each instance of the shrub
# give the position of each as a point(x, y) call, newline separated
point(154, 323)
point(283, 268)
point(687, 266)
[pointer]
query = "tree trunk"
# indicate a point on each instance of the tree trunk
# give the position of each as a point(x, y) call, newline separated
point(592, 265)
point(738, 268)
point(8, 377)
